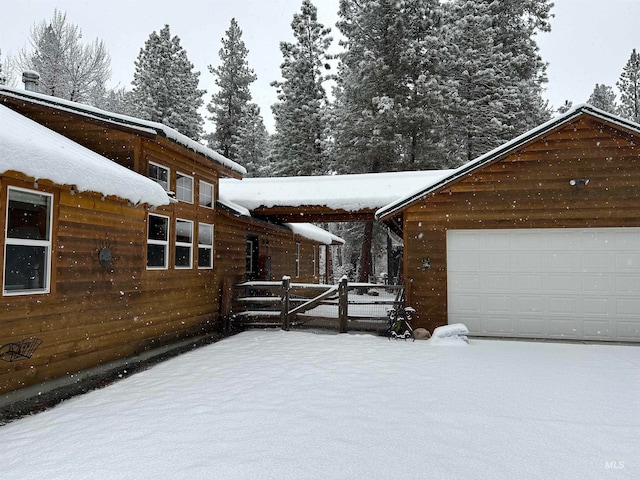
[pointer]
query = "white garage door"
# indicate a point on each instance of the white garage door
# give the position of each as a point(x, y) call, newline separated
point(546, 283)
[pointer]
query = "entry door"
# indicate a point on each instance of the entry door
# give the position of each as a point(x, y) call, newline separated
point(253, 255)
point(546, 283)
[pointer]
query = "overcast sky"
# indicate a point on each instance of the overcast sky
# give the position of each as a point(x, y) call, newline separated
point(590, 41)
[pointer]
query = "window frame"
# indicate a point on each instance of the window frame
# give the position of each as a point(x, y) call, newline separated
point(314, 260)
point(297, 260)
point(190, 177)
point(168, 187)
point(213, 194)
point(165, 243)
point(206, 246)
point(47, 244)
point(188, 245)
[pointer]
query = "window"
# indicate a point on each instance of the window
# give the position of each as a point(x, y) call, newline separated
point(314, 260)
point(206, 194)
point(184, 243)
point(297, 259)
point(27, 251)
point(159, 174)
point(205, 245)
point(158, 242)
point(184, 187)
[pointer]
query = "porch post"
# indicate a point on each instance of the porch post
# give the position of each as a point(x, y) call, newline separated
point(343, 304)
point(284, 312)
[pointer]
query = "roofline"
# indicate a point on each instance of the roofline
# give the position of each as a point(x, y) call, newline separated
point(504, 149)
point(119, 119)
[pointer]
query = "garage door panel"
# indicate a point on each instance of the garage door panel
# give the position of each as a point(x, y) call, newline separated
point(563, 283)
point(628, 284)
point(549, 283)
point(563, 306)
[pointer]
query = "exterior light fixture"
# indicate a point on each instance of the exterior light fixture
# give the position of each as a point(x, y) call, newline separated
point(579, 182)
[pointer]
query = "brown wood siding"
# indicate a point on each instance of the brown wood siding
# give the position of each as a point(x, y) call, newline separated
point(527, 189)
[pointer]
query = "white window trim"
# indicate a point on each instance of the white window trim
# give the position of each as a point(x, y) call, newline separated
point(192, 186)
point(213, 194)
point(206, 246)
point(183, 244)
point(297, 260)
point(168, 189)
point(160, 242)
point(23, 241)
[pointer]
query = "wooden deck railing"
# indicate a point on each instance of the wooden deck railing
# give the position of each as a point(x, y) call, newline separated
point(287, 304)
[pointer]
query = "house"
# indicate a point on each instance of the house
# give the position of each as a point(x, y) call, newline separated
point(539, 238)
point(115, 240)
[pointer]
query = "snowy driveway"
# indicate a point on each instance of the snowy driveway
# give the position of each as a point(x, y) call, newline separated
point(299, 405)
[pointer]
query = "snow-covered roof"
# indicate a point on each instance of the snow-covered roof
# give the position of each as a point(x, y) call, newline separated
point(125, 120)
point(352, 193)
point(504, 149)
point(305, 230)
point(41, 153)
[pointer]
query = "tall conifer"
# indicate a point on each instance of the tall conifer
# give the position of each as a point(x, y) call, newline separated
point(165, 87)
point(300, 114)
point(629, 86)
point(231, 103)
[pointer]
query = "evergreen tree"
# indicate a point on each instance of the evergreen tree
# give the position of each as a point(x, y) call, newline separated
point(604, 98)
point(67, 68)
point(253, 144)
point(496, 72)
point(165, 87)
point(390, 92)
point(299, 142)
point(3, 78)
point(629, 87)
point(232, 103)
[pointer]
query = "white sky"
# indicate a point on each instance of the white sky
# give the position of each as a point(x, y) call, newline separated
point(590, 42)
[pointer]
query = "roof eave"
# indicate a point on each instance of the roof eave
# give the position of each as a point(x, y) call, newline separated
point(385, 212)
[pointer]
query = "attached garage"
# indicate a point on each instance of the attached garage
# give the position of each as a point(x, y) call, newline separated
point(573, 283)
point(539, 238)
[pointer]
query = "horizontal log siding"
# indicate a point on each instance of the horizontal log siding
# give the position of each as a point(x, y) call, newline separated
point(94, 314)
point(527, 189)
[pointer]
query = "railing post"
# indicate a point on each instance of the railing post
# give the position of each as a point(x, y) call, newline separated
point(284, 312)
point(343, 304)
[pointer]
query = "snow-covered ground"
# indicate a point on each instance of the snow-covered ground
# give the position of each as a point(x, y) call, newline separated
point(301, 405)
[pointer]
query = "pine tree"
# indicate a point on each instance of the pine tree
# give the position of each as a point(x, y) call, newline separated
point(67, 68)
point(629, 87)
point(165, 87)
point(253, 144)
point(300, 114)
point(232, 103)
point(3, 78)
point(497, 87)
point(390, 91)
point(604, 98)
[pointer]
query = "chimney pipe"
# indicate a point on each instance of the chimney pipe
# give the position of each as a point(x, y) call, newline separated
point(31, 80)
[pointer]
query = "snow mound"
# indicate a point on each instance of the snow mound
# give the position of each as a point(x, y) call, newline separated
point(454, 334)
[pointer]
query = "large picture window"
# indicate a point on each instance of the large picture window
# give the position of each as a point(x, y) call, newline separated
point(158, 242)
point(205, 245)
point(184, 243)
point(206, 194)
point(27, 254)
point(159, 174)
point(184, 187)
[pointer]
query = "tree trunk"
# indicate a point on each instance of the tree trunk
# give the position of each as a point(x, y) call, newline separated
point(365, 255)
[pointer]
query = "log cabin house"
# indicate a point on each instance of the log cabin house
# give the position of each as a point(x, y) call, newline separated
point(539, 238)
point(128, 246)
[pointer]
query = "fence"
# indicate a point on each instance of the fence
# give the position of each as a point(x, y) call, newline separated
point(356, 306)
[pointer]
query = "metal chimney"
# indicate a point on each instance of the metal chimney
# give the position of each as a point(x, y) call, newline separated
point(31, 80)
